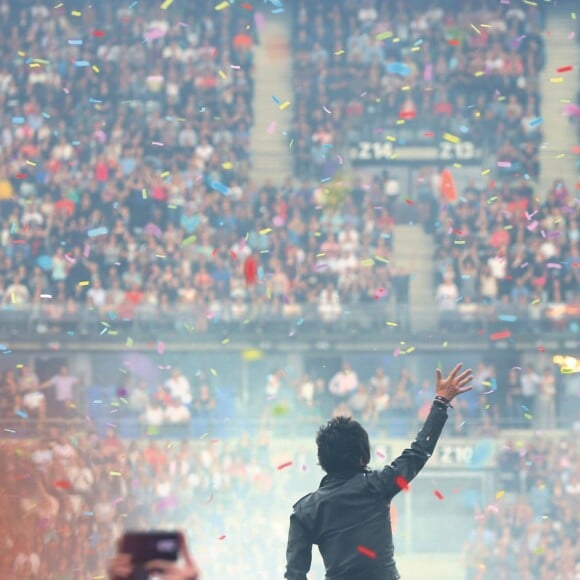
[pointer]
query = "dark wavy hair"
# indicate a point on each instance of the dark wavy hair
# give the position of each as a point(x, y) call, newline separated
point(343, 446)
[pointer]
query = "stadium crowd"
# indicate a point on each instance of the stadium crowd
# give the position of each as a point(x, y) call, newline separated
point(531, 527)
point(500, 251)
point(469, 70)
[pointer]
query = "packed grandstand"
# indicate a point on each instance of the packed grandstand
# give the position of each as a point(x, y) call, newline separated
point(126, 194)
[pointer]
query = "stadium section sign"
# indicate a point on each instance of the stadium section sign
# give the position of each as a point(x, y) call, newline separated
point(374, 152)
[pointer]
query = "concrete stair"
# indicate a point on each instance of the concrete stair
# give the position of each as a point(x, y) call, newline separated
point(271, 156)
point(413, 250)
point(559, 134)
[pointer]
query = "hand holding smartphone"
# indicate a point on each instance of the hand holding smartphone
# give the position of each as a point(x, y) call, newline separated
point(143, 553)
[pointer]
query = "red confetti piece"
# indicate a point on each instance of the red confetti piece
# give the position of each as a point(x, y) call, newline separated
point(284, 465)
point(429, 134)
point(247, 6)
point(500, 335)
point(541, 348)
point(62, 484)
point(21, 176)
point(233, 255)
point(214, 253)
point(408, 114)
point(402, 482)
point(366, 552)
point(457, 232)
point(98, 33)
point(438, 494)
point(453, 42)
point(409, 202)
point(564, 69)
point(222, 538)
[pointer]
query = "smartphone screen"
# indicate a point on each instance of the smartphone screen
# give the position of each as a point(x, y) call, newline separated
point(146, 546)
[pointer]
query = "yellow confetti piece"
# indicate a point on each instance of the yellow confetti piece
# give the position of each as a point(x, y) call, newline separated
point(457, 165)
point(21, 53)
point(34, 65)
point(451, 138)
point(530, 3)
point(221, 6)
point(459, 242)
point(222, 74)
point(445, 344)
point(485, 25)
point(115, 473)
point(485, 171)
point(225, 341)
point(189, 240)
point(396, 40)
point(166, 4)
point(284, 105)
point(265, 231)
point(410, 350)
point(96, 68)
point(556, 79)
point(165, 174)
point(392, 323)
point(479, 73)
point(84, 283)
point(499, 494)
point(76, 13)
point(383, 35)
point(213, 372)
point(227, 165)
point(406, 88)
point(30, 163)
point(130, 342)
point(368, 262)
point(476, 29)
point(58, 5)
point(383, 260)
point(416, 49)
point(144, 193)
point(41, 61)
point(390, 138)
point(339, 52)
point(535, 301)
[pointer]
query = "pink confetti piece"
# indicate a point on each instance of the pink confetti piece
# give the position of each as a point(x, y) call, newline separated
point(285, 465)
point(379, 454)
point(160, 347)
point(271, 127)
point(438, 494)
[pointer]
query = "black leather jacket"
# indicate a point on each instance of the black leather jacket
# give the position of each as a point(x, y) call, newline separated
point(348, 516)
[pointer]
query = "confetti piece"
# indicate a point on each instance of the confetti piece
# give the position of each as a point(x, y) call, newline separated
point(383, 35)
point(536, 122)
point(76, 13)
point(453, 42)
point(500, 335)
point(222, 538)
point(98, 33)
point(222, 5)
point(438, 494)
point(82, 63)
point(166, 4)
point(284, 105)
point(95, 232)
point(499, 494)
point(247, 6)
point(271, 127)
point(284, 465)
point(62, 484)
point(451, 138)
point(402, 483)
point(564, 69)
point(84, 283)
point(366, 552)
point(115, 473)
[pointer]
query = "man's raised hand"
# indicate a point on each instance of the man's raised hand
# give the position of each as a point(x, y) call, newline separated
point(454, 384)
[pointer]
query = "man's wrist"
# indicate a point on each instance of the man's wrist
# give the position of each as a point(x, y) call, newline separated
point(444, 400)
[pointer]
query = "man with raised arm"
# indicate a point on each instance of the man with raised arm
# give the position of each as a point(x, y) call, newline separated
point(348, 516)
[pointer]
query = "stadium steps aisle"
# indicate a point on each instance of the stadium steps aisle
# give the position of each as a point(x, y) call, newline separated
point(413, 250)
point(559, 134)
point(271, 156)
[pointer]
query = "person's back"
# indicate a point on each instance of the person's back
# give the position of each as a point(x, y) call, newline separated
point(348, 516)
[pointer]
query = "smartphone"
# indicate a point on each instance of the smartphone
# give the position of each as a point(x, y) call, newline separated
point(155, 545)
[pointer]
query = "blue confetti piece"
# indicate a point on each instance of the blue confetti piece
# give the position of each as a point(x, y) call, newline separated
point(97, 232)
point(75, 143)
point(219, 186)
point(21, 414)
point(277, 10)
point(133, 4)
point(91, 100)
point(507, 317)
point(276, 100)
point(82, 63)
point(399, 68)
point(325, 180)
point(46, 115)
point(18, 120)
point(75, 42)
point(536, 122)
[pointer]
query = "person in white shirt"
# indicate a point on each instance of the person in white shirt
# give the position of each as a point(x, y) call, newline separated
point(530, 383)
point(447, 294)
point(179, 387)
point(154, 414)
point(177, 413)
point(344, 383)
point(34, 403)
